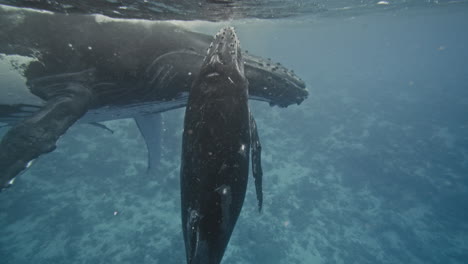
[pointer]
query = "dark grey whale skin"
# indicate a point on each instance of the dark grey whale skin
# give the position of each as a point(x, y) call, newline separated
point(102, 70)
point(215, 151)
point(125, 62)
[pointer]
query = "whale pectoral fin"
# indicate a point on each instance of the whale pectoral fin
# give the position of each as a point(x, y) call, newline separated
point(256, 161)
point(150, 127)
point(97, 124)
point(38, 133)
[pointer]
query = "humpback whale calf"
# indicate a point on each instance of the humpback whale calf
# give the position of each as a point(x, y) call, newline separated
point(218, 134)
point(91, 68)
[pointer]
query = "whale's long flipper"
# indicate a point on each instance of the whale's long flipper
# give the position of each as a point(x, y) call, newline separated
point(150, 127)
point(256, 161)
point(38, 133)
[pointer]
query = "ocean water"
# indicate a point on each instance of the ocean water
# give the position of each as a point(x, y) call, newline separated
point(371, 168)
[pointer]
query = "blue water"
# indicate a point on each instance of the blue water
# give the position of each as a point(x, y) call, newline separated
point(372, 168)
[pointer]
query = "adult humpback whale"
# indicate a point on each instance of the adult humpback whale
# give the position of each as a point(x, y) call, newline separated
point(218, 133)
point(91, 69)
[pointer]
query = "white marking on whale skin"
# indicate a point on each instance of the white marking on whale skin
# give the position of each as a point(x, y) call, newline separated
point(226, 201)
point(192, 224)
point(224, 190)
point(242, 150)
point(12, 181)
point(13, 8)
point(213, 74)
point(30, 163)
point(383, 3)
point(194, 218)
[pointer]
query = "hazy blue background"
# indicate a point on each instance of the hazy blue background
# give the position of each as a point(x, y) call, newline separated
point(372, 168)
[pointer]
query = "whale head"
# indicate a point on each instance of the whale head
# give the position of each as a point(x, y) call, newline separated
point(224, 57)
